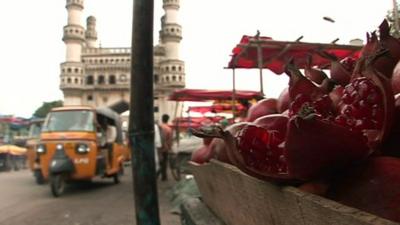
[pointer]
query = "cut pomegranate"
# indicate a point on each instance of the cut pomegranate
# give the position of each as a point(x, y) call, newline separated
point(316, 147)
point(299, 84)
point(262, 151)
point(306, 97)
point(274, 122)
point(361, 106)
point(367, 103)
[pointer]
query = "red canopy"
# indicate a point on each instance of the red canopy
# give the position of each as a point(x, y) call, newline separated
point(200, 95)
point(215, 108)
point(195, 122)
point(275, 54)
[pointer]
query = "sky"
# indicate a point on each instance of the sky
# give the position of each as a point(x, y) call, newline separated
point(31, 48)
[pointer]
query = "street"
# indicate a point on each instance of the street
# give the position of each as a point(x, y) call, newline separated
point(101, 202)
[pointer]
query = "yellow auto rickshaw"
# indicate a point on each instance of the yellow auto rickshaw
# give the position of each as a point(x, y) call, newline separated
point(80, 143)
point(35, 127)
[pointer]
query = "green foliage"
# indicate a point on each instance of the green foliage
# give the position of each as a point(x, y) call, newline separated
point(390, 18)
point(42, 111)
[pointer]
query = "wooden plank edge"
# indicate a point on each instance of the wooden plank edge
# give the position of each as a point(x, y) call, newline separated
point(351, 213)
point(195, 212)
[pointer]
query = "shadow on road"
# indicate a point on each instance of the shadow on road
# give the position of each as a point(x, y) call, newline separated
point(81, 187)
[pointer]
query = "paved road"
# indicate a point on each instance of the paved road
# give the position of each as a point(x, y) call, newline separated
point(99, 203)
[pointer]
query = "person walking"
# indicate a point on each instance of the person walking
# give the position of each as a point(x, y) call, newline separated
point(166, 146)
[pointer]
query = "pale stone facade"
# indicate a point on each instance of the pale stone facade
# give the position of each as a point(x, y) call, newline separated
point(93, 75)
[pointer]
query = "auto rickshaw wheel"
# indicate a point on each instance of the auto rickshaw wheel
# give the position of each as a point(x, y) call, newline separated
point(116, 178)
point(121, 169)
point(38, 176)
point(57, 184)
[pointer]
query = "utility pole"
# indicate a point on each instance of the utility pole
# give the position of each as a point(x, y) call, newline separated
point(396, 18)
point(141, 117)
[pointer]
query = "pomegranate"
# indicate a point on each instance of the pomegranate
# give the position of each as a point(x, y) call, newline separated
point(207, 140)
point(336, 96)
point(324, 130)
point(203, 154)
point(396, 79)
point(371, 46)
point(305, 151)
point(274, 122)
point(219, 147)
point(390, 48)
point(263, 107)
point(373, 186)
point(283, 101)
point(367, 103)
point(391, 144)
point(316, 147)
point(261, 151)
point(314, 74)
point(306, 96)
point(340, 70)
point(226, 152)
point(299, 84)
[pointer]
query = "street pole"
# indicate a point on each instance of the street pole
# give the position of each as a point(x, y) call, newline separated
point(141, 116)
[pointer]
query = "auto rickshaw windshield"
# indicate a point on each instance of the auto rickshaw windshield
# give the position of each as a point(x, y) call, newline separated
point(72, 120)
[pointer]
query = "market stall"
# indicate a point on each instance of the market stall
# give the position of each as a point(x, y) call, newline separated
point(260, 52)
point(330, 157)
point(219, 101)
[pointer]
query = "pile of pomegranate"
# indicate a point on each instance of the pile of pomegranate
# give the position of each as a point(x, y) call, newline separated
point(337, 136)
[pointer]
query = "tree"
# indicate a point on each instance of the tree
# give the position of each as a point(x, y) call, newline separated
point(42, 111)
point(391, 18)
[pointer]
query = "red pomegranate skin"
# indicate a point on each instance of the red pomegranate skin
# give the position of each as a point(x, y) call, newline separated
point(390, 146)
point(207, 140)
point(391, 48)
point(277, 122)
point(283, 101)
point(373, 186)
point(395, 81)
point(203, 154)
point(336, 95)
point(261, 108)
point(219, 147)
point(317, 147)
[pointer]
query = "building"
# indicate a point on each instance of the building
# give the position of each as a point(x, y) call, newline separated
point(97, 76)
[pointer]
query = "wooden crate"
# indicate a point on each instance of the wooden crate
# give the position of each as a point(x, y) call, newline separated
point(239, 199)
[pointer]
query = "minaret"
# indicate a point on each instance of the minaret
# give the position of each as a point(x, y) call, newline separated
point(72, 69)
point(91, 33)
point(172, 69)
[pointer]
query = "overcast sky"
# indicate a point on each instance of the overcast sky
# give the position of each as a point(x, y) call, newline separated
point(31, 48)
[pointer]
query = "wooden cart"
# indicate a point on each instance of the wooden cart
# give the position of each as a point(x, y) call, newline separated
point(232, 197)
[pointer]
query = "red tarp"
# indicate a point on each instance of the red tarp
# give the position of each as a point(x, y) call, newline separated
point(199, 95)
point(195, 122)
point(275, 54)
point(215, 108)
